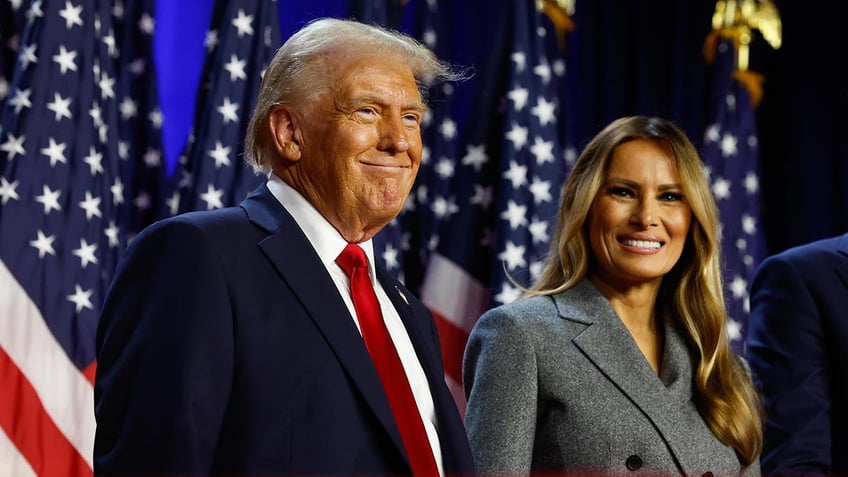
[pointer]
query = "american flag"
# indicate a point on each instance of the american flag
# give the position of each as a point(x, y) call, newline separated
point(12, 21)
point(140, 121)
point(499, 190)
point(731, 155)
point(405, 245)
point(242, 38)
point(71, 178)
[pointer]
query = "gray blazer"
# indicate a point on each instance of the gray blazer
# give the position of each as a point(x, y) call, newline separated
point(558, 383)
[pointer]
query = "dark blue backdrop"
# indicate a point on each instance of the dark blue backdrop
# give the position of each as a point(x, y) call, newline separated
point(629, 57)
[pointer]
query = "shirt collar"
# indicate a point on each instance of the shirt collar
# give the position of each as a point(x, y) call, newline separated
point(325, 239)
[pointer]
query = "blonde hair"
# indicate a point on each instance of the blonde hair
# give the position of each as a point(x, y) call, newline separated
point(293, 74)
point(692, 291)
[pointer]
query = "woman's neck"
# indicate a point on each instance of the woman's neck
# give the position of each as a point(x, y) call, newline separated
point(635, 305)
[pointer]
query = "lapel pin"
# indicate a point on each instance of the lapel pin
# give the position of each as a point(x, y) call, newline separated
point(402, 295)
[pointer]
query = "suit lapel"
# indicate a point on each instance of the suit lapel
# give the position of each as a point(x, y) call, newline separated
point(422, 333)
point(288, 249)
point(842, 267)
point(456, 454)
point(609, 346)
point(414, 327)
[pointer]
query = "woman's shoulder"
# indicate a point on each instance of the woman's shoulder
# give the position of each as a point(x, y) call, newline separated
point(540, 314)
point(572, 301)
point(523, 308)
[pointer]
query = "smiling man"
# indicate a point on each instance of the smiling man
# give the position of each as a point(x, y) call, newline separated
point(263, 339)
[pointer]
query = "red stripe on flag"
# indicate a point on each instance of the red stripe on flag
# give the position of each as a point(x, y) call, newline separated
point(453, 341)
point(30, 428)
point(89, 372)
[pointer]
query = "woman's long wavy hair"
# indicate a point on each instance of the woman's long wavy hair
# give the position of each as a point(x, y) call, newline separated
point(691, 293)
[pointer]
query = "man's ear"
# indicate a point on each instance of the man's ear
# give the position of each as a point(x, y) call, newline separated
point(284, 130)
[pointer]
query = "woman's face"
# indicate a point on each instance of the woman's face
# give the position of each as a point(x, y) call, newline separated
point(639, 220)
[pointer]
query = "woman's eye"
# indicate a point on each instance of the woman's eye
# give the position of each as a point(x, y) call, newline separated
point(671, 197)
point(621, 192)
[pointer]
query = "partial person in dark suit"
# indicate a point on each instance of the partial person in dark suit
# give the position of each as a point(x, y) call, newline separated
point(617, 360)
point(230, 343)
point(798, 352)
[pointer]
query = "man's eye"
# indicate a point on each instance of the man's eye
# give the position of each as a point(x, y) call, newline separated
point(413, 119)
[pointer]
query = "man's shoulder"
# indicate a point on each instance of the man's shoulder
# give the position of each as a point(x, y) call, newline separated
point(823, 250)
point(806, 263)
point(205, 219)
point(190, 226)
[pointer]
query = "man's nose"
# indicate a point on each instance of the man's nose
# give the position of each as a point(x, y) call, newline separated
point(393, 135)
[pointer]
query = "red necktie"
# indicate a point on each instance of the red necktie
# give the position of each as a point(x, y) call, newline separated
point(386, 360)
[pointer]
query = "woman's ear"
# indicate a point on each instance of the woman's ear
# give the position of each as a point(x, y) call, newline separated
point(283, 124)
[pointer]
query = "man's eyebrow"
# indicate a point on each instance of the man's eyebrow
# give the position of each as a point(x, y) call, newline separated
point(367, 98)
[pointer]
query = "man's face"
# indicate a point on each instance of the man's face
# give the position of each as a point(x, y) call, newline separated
point(360, 144)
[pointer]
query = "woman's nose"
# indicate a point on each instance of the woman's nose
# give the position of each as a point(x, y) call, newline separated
point(645, 213)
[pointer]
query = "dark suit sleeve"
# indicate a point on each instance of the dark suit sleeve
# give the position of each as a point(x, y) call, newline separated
point(165, 350)
point(787, 356)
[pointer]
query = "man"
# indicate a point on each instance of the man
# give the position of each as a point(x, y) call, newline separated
point(797, 342)
point(234, 342)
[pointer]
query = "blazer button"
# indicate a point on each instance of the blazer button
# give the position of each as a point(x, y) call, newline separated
point(634, 462)
point(707, 474)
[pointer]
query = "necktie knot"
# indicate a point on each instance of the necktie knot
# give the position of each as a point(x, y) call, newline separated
point(351, 258)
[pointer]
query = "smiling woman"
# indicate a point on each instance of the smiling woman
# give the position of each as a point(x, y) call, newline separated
point(639, 220)
point(597, 366)
point(637, 229)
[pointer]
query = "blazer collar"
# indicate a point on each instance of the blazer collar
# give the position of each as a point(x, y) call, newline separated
point(294, 258)
point(609, 346)
point(264, 210)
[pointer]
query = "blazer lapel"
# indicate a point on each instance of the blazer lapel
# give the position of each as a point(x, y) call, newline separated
point(609, 346)
point(676, 374)
point(288, 249)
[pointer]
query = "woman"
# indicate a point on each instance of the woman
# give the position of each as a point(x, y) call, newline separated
point(617, 360)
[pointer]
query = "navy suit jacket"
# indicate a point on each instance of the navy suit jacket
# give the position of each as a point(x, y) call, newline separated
point(798, 352)
point(225, 348)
